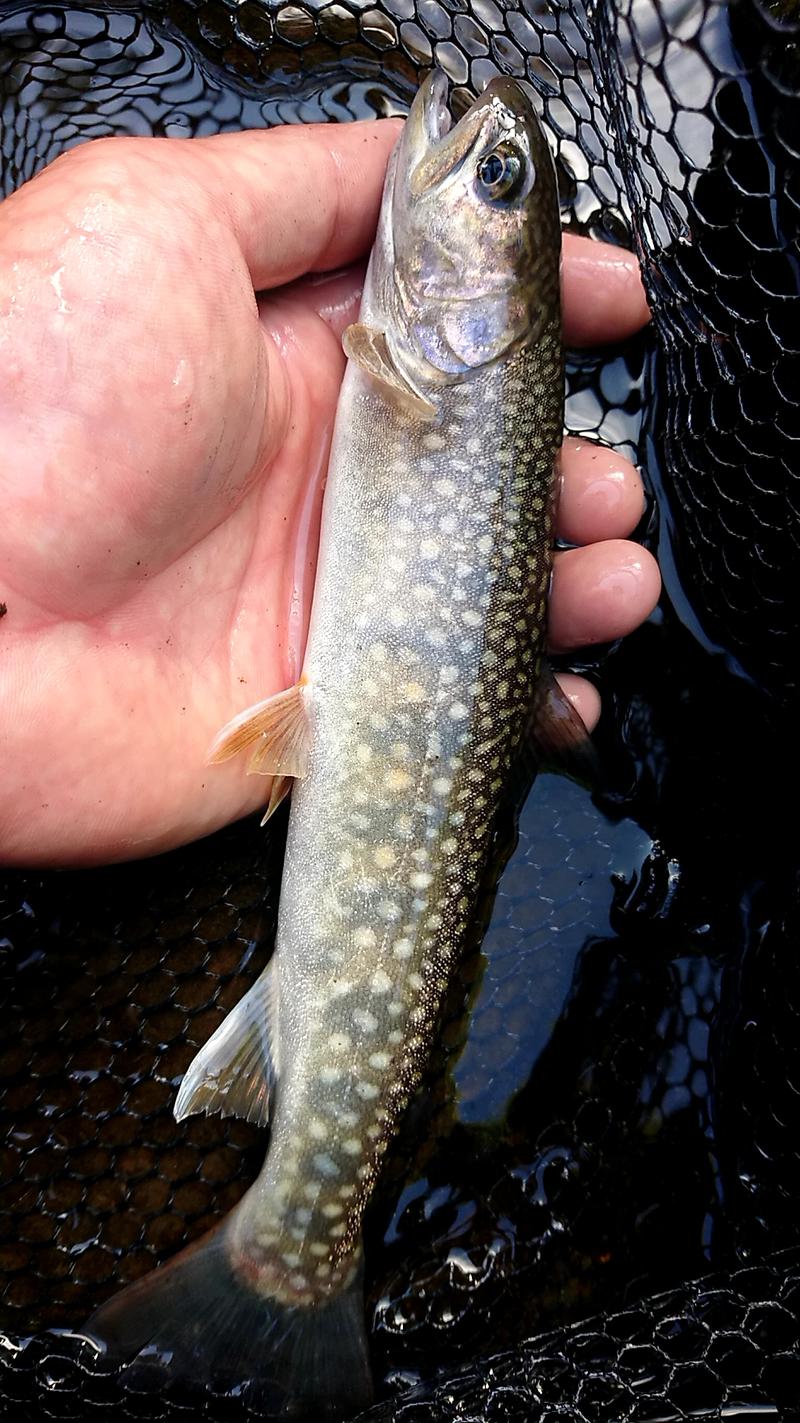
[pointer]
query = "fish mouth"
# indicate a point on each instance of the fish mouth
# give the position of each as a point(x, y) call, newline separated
point(434, 144)
point(432, 98)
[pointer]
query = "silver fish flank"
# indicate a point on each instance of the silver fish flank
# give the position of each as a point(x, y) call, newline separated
point(423, 657)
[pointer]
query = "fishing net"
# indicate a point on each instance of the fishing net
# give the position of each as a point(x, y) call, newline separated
point(602, 1222)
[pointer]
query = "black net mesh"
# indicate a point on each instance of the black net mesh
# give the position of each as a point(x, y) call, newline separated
point(618, 1115)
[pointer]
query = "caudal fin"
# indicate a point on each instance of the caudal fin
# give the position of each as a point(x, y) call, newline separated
point(200, 1314)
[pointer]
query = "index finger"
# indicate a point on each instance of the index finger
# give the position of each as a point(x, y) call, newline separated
point(302, 198)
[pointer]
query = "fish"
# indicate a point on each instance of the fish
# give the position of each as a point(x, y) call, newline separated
point(424, 655)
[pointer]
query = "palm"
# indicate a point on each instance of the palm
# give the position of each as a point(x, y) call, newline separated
point(158, 537)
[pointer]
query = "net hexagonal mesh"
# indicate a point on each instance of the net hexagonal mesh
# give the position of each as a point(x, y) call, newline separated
point(616, 1115)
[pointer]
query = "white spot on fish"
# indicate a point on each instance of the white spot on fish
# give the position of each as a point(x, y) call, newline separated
point(365, 1020)
point(403, 949)
point(364, 937)
point(332, 1209)
point(397, 779)
point(318, 1249)
point(367, 1090)
point(420, 880)
point(415, 981)
point(457, 711)
point(317, 1129)
point(340, 1042)
point(352, 1146)
point(379, 1060)
point(441, 785)
point(325, 1164)
point(380, 981)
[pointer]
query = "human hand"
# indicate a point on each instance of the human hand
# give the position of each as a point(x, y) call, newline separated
point(165, 436)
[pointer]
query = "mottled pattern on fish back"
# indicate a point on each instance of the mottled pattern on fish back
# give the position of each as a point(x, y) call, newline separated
point(425, 645)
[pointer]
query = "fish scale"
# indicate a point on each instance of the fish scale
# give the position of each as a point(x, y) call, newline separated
point(373, 921)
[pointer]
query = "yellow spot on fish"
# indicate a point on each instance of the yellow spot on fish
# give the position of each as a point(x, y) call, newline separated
point(413, 692)
point(397, 779)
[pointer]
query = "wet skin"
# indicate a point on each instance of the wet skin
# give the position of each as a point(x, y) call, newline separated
point(165, 436)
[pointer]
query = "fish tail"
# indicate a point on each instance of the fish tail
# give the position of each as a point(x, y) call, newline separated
point(207, 1319)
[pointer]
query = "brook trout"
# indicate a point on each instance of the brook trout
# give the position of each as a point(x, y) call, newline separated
point(423, 657)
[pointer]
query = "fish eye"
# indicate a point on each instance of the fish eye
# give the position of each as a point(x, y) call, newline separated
point(500, 174)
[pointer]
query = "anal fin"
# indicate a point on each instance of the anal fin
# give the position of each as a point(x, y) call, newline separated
point(235, 1072)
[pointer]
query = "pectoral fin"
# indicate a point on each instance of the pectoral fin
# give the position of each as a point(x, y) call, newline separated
point(369, 349)
point(279, 732)
point(235, 1072)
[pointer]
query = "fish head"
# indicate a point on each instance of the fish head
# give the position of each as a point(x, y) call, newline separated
point(472, 232)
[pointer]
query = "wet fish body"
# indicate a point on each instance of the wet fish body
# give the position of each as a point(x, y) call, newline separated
point(422, 660)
